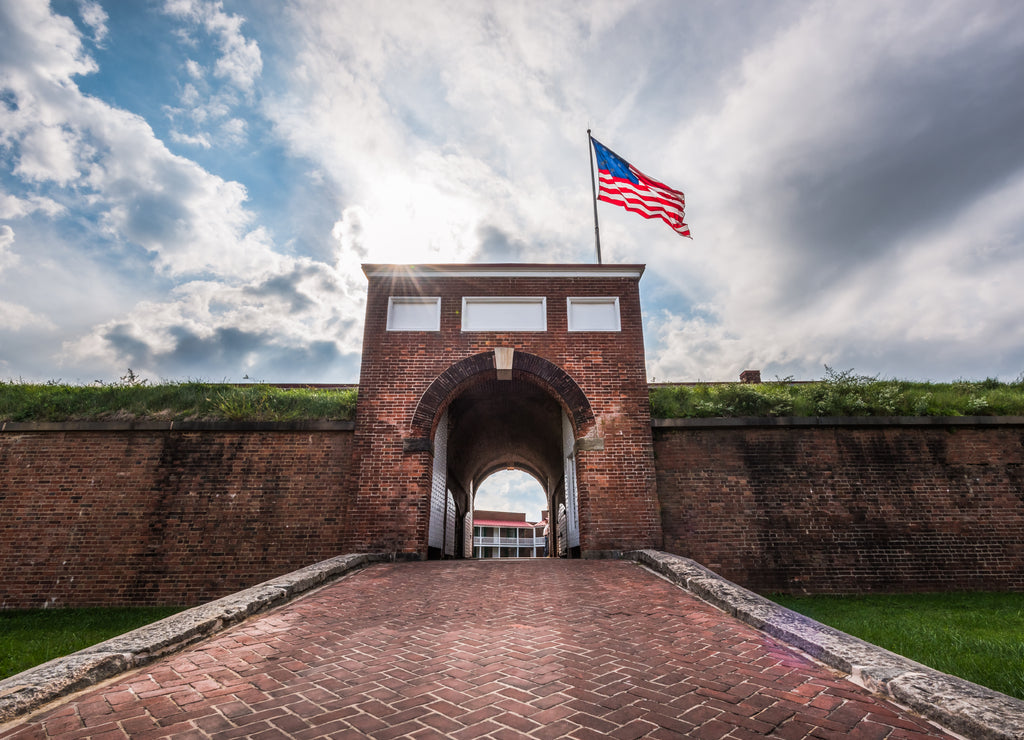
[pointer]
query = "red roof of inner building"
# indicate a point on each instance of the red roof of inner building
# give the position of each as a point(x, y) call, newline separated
point(504, 523)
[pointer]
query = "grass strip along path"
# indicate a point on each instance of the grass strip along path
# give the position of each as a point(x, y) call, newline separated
point(29, 637)
point(977, 636)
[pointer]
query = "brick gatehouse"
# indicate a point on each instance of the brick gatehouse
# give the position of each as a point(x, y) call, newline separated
point(469, 369)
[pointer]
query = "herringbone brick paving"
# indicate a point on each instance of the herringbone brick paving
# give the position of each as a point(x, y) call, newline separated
point(471, 649)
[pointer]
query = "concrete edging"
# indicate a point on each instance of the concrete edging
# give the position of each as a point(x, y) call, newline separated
point(959, 705)
point(31, 689)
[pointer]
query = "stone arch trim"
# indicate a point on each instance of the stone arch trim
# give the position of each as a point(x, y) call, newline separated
point(447, 385)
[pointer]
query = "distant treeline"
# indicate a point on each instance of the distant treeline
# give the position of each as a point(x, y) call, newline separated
point(838, 394)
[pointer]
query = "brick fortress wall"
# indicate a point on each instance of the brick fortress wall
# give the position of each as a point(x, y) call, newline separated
point(164, 517)
point(159, 517)
point(847, 507)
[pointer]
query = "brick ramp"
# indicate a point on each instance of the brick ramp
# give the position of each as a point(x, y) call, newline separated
point(541, 649)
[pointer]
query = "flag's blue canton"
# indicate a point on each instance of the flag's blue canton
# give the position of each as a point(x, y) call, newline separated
point(607, 160)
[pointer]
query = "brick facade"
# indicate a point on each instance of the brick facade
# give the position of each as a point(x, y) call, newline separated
point(161, 517)
point(848, 507)
point(597, 377)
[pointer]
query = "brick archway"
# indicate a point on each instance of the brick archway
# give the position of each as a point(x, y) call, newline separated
point(456, 378)
point(474, 418)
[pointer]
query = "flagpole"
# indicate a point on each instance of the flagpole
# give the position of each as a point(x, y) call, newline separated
point(593, 189)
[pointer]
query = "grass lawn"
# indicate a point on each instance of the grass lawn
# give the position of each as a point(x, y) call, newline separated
point(32, 636)
point(977, 636)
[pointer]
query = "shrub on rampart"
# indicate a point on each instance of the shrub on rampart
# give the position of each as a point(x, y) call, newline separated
point(840, 393)
point(191, 401)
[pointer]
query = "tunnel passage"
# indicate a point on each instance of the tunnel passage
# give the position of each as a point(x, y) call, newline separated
point(490, 424)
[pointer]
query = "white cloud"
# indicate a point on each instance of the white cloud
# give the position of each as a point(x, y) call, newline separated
point(204, 102)
point(514, 491)
point(234, 131)
point(52, 43)
point(95, 18)
point(18, 318)
point(106, 166)
point(304, 315)
point(7, 255)
point(444, 121)
point(853, 172)
point(12, 206)
point(191, 220)
point(815, 176)
point(14, 317)
point(199, 140)
point(240, 60)
point(48, 154)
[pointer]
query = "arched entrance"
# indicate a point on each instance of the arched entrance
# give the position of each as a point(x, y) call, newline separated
point(528, 421)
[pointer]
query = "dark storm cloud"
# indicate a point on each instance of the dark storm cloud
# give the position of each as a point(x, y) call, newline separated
point(932, 137)
point(132, 349)
point(498, 246)
point(285, 288)
point(228, 351)
point(226, 345)
point(155, 218)
point(225, 348)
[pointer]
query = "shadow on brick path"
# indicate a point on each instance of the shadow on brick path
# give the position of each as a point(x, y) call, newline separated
point(470, 649)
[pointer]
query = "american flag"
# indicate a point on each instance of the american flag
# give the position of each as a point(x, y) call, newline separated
point(624, 185)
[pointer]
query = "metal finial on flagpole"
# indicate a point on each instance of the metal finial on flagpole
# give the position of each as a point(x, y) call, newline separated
point(593, 189)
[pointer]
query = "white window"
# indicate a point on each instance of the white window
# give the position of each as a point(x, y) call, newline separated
point(527, 313)
point(593, 314)
point(414, 313)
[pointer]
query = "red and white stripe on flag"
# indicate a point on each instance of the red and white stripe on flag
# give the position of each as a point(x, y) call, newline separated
point(624, 185)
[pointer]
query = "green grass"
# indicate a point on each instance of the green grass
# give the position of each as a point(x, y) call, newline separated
point(839, 394)
point(192, 401)
point(977, 636)
point(32, 636)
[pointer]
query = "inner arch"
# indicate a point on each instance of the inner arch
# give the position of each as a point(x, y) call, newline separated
point(498, 424)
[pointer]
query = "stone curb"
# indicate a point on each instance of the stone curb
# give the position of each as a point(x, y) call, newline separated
point(31, 689)
point(959, 705)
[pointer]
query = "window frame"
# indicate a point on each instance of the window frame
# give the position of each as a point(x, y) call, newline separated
point(414, 300)
point(592, 300)
point(542, 301)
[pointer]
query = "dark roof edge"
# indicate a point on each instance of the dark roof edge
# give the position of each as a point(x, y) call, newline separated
point(505, 269)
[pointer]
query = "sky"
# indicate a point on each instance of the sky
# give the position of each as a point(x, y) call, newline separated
point(512, 490)
point(188, 188)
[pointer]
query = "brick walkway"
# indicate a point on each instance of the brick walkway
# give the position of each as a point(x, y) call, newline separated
point(540, 649)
